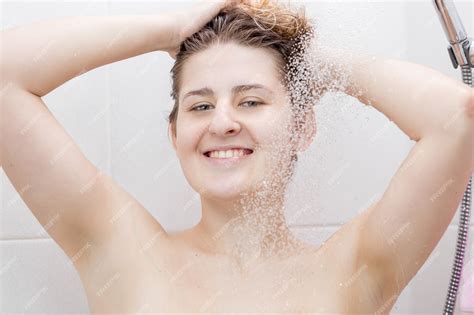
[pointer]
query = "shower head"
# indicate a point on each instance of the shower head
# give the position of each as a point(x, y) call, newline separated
point(460, 47)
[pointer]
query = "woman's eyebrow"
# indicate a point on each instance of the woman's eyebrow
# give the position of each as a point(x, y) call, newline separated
point(236, 89)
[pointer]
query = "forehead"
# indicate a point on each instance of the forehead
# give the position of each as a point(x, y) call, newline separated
point(223, 66)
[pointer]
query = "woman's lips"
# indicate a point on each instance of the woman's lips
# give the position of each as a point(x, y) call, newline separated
point(226, 161)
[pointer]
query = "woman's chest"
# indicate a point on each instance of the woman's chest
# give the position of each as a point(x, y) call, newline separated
point(145, 284)
point(123, 293)
point(262, 293)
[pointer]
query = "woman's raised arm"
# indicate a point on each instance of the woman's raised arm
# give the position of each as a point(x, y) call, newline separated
point(418, 99)
point(44, 164)
point(41, 56)
point(400, 230)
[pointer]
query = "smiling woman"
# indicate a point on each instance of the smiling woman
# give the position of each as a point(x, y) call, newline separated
point(279, 31)
point(249, 148)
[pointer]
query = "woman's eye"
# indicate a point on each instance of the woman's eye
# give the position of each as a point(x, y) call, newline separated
point(199, 108)
point(254, 102)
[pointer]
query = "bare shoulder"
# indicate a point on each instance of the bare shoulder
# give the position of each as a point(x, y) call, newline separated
point(128, 260)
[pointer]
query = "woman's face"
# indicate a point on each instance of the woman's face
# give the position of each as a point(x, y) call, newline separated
point(214, 111)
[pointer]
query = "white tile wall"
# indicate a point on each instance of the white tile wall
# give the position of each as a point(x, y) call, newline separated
point(117, 115)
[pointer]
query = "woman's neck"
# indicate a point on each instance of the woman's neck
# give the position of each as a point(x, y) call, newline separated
point(253, 230)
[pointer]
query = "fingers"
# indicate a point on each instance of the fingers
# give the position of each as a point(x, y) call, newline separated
point(202, 12)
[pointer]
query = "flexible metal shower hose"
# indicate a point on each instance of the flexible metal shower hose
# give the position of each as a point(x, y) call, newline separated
point(463, 229)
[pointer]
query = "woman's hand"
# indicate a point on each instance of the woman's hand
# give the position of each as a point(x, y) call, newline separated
point(186, 22)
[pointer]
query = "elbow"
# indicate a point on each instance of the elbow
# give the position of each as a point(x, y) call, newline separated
point(6, 65)
point(460, 127)
point(468, 112)
point(456, 125)
point(469, 106)
point(461, 121)
point(11, 66)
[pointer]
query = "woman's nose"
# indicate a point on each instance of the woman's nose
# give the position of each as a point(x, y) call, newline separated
point(223, 122)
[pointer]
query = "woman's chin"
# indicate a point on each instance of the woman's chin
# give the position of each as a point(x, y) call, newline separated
point(226, 190)
point(226, 193)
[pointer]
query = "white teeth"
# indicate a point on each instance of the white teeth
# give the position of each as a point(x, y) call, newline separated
point(226, 154)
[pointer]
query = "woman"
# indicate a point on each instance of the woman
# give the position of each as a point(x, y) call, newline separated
point(231, 91)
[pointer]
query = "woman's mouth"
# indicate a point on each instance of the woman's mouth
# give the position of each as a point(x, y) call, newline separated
point(227, 157)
